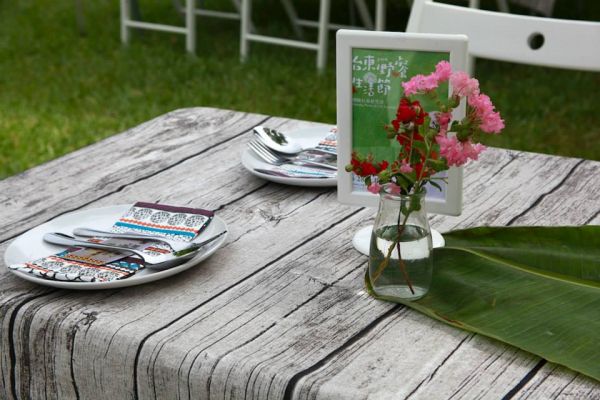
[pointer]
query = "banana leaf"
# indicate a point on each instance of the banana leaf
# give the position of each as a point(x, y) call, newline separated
point(536, 288)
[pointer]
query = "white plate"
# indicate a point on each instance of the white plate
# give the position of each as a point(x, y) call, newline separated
point(308, 137)
point(30, 246)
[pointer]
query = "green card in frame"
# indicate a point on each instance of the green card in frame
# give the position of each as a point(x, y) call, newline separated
point(370, 69)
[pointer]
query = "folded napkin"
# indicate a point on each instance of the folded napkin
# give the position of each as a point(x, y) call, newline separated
point(329, 142)
point(179, 223)
point(65, 267)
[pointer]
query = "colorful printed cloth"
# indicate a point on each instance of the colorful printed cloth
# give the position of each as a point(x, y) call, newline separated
point(56, 267)
point(179, 223)
point(329, 142)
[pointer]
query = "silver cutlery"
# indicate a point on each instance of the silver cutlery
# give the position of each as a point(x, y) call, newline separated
point(289, 175)
point(277, 141)
point(270, 157)
point(176, 245)
point(177, 257)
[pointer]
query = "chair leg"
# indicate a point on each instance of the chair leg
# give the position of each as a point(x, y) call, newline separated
point(125, 17)
point(323, 34)
point(245, 16)
point(365, 15)
point(380, 13)
point(190, 26)
point(293, 17)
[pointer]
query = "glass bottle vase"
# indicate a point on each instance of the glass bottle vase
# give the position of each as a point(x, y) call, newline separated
point(400, 258)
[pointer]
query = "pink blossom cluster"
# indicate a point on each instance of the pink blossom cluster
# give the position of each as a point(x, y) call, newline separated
point(426, 83)
point(489, 120)
point(463, 85)
point(482, 115)
point(457, 153)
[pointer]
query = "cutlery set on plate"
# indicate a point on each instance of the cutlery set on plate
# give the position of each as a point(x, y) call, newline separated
point(288, 158)
point(146, 236)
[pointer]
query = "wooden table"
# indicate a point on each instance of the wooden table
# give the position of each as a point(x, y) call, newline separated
point(280, 310)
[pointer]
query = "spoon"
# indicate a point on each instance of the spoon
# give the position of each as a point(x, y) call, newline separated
point(277, 141)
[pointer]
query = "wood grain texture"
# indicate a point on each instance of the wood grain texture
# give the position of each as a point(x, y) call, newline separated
point(279, 311)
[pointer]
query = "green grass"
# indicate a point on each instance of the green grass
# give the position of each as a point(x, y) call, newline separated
point(60, 91)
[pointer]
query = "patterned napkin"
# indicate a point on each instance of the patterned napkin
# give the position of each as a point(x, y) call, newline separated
point(329, 142)
point(60, 267)
point(179, 223)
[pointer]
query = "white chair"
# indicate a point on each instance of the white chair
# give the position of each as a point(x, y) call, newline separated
point(323, 25)
point(189, 10)
point(514, 38)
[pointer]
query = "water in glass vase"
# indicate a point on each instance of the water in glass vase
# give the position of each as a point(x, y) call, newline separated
point(407, 278)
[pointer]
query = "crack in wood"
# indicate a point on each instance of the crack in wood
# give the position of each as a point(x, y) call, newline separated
point(469, 336)
point(539, 199)
point(512, 157)
point(214, 366)
point(511, 393)
point(591, 219)
point(293, 382)
point(11, 344)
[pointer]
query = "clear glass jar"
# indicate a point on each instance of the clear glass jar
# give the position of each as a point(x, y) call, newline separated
point(401, 258)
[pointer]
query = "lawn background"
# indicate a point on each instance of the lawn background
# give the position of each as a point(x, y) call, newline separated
point(60, 90)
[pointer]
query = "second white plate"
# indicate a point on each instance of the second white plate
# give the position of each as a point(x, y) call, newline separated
point(308, 137)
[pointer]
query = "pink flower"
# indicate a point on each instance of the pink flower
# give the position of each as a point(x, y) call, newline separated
point(392, 188)
point(462, 85)
point(490, 121)
point(405, 168)
point(374, 188)
point(420, 83)
point(411, 86)
point(443, 70)
point(481, 103)
point(443, 119)
point(457, 153)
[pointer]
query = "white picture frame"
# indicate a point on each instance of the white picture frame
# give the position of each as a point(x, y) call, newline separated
point(453, 47)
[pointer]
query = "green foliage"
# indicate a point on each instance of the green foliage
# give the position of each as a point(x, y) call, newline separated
point(60, 91)
point(537, 288)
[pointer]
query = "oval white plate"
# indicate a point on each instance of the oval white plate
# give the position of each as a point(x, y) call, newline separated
point(308, 137)
point(30, 246)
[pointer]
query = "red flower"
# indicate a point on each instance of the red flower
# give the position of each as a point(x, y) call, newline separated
point(409, 112)
point(368, 169)
point(405, 112)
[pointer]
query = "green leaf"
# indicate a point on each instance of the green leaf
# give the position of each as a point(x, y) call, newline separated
point(435, 185)
point(537, 288)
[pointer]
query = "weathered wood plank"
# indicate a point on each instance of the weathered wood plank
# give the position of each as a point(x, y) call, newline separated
point(574, 202)
point(520, 182)
point(85, 175)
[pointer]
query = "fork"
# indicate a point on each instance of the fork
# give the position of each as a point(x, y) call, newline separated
point(174, 259)
point(270, 157)
point(90, 232)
